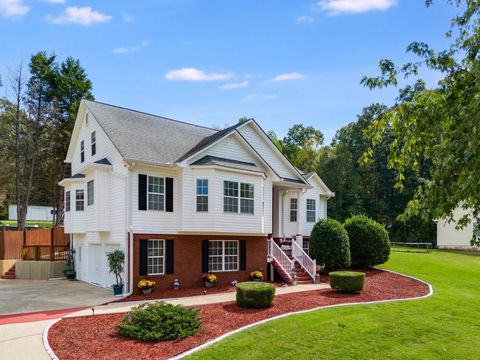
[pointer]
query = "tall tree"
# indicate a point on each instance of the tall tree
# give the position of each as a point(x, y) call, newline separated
point(439, 125)
point(301, 145)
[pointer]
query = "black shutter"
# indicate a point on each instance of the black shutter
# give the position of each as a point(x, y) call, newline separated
point(142, 192)
point(243, 255)
point(143, 257)
point(169, 194)
point(170, 256)
point(205, 245)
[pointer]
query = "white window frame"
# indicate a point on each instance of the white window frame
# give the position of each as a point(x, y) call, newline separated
point(68, 201)
point(90, 192)
point(310, 210)
point(155, 193)
point(202, 195)
point(78, 201)
point(223, 255)
point(82, 151)
point(161, 256)
point(293, 210)
point(239, 197)
point(93, 143)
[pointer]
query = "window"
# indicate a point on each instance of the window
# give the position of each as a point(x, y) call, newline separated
point(232, 197)
point(79, 200)
point(202, 195)
point(223, 255)
point(156, 193)
point(311, 213)
point(293, 210)
point(246, 198)
point(156, 257)
point(90, 193)
point(82, 151)
point(94, 143)
point(67, 201)
point(86, 119)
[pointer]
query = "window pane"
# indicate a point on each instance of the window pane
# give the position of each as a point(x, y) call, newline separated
point(67, 201)
point(293, 210)
point(230, 188)
point(90, 193)
point(202, 203)
point(155, 257)
point(246, 191)
point(79, 200)
point(246, 206)
point(230, 204)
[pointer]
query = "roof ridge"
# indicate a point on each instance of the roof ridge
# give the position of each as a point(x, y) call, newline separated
point(149, 114)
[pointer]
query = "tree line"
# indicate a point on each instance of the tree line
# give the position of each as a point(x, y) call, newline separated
point(37, 115)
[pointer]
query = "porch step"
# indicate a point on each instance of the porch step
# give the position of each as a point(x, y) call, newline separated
point(10, 274)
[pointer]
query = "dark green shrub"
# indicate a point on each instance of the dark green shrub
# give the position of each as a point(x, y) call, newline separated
point(329, 244)
point(347, 281)
point(369, 242)
point(159, 321)
point(252, 294)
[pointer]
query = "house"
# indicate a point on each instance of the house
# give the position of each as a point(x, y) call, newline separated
point(449, 237)
point(180, 199)
point(37, 211)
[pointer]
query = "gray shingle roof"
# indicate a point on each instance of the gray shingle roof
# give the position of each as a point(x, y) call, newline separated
point(103, 161)
point(144, 137)
point(228, 163)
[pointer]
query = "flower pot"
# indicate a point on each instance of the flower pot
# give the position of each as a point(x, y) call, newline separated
point(208, 284)
point(117, 290)
point(147, 291)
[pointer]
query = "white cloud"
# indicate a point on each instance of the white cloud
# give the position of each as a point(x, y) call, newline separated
point(79, 15)
point(304, 19)
point(192, 74)
point(287, 77)
point(354, 6)
point(55, 1)
point(231, 86)
point(131, 49)
point(11, 8)
point(260, 97)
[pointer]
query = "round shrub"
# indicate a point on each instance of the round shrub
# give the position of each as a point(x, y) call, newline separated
point(347, 281)
point(329, 244)
point(369, 242)
point(252, 294)
point(159, 321)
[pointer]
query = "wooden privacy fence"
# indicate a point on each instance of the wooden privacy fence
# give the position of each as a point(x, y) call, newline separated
point(41, 244)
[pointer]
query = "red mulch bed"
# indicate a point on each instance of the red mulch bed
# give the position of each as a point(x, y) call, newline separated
point(94, 337)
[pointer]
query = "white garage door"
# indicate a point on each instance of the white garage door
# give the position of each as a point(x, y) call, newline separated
point(95, 264)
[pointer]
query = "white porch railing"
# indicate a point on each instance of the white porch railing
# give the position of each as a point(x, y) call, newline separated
point(282, 259)
point(305, 261)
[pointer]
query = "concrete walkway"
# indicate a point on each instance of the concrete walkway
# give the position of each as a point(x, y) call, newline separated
point(23, 296)
point(190, 300)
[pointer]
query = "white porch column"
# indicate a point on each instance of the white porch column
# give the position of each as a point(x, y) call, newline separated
point(299, 236)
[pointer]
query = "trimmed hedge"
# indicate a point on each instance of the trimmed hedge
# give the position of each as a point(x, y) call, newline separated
point(254, 294)
point(159, 321)
point(369, 242)
point(329, 244)
point(347, 281)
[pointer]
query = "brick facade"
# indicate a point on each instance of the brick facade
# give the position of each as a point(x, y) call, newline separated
point(188, 259)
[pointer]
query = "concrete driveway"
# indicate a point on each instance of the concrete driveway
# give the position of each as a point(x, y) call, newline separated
point(22, 296)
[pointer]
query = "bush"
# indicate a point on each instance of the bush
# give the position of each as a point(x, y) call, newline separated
point(347, 281)
point(369, 242)
point(329, 244)
point(159, 321)
point(252, 294)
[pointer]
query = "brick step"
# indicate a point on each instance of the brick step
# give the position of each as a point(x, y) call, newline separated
point(9, 277)
point(10, 274)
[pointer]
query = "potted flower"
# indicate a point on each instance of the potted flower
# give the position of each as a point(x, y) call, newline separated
point(209, 280)
point(116, 260)
point(146, 286)
point(256, 275)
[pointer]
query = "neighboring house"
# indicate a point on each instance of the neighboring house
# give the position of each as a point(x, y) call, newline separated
point(448, 237)
point(37, 211)
point(181, 200)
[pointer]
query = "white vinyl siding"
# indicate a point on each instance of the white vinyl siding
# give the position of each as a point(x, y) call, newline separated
point(202, 195)
point(79, 200)
point(90, 193)
point(223, 255)
point(156, 193)
point(156, 257)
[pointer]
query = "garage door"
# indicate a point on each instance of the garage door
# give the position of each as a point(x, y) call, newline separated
point(95, 264)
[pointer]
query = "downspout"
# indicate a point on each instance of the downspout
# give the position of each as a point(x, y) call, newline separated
point(130, 232)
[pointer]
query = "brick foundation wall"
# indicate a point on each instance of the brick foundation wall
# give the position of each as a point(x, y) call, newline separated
point(188, 260)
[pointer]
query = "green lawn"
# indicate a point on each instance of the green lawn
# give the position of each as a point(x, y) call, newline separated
point(443, 326)
point(42, 224)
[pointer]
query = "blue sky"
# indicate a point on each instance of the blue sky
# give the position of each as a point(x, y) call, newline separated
point(211, 62)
